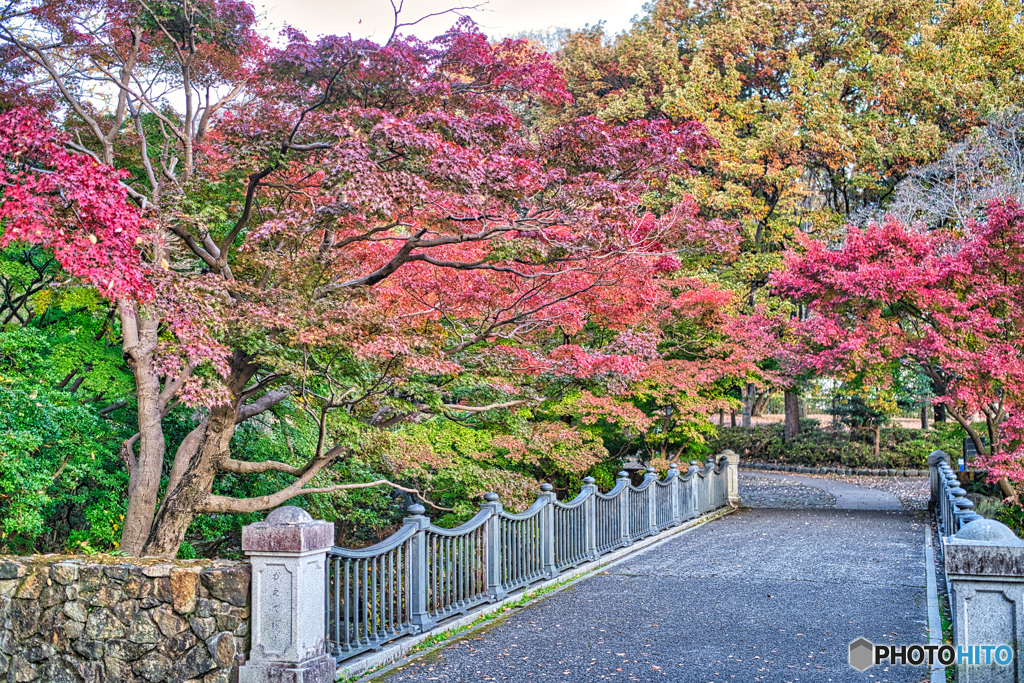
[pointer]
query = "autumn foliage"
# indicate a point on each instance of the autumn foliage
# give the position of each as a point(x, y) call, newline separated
point(330, 264)
point(947, 301)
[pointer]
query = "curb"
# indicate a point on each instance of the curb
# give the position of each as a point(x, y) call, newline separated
point(846, 471)
point(378, 663)
point(938, 672)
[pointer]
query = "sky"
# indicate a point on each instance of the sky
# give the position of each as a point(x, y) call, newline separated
point(498, 18)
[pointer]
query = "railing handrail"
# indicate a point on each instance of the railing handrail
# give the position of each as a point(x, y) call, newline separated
point(643, 486)
point(424, 574)
point(534, 509)
point(466, 527)
point(390, 543)
point(619, 487)
point(575, 502)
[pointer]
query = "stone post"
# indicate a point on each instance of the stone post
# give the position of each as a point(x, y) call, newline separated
point(547, 529)
point(492, 536)
point(984, 565)
point(933, 473)
point(694, 472)
point(732, 475)
point(590, 513)
point(288, 553)
point(419, 609)
point(650, 476)
point(962, 508)
point(623, 481)
point(673, 481)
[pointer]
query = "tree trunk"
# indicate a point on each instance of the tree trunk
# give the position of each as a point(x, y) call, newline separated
point(759, 403)
point(748, 401)
point(139, 344)
point(792, 405)
point(721, 417)
point(878, 440)
point(195, 467)
point(732, 417)
point(940, 412)
point(196, 464)
point(979, 444)
point(924, 417)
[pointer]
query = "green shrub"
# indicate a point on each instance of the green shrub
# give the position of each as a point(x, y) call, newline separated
point(899, 448)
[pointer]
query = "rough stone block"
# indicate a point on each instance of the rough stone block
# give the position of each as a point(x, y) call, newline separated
point(230, 619)
point(203, 627)
point(138, 587)
point(90, 649)
point(143, 629)
point(90, 577)
point(125, 650)
point(106, 596)
point(117, 671)
point(103, 625)
point(33, 586)
point(21, 670)
point(76, 611)
point(38, 652)
point(206, 607)
point(118, 572)
point(59, 671)
point(169, 623)
point(9, 569)
point(230, 584)
point(219, 676)
point(25, 616)
point(64, 573)
point(158, 571)
point(51, 594)
point(152, 667)
point(162, 590)
point(73, 629)
point(222, 649)
point(196, 662)
point(175, 647)
point(185, 589)
point(89, 672)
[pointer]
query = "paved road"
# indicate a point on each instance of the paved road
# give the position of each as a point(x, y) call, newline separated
point(837, 494)
point(760, 595)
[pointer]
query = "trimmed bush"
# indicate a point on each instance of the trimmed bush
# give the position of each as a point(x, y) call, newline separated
point(818, 446)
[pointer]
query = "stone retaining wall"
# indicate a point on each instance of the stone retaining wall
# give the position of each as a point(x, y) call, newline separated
point(89, 620)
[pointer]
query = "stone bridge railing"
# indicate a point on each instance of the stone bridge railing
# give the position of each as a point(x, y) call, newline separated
point(315, 604)
point(982, 565)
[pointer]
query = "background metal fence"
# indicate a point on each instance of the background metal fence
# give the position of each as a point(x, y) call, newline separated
point(424, 574)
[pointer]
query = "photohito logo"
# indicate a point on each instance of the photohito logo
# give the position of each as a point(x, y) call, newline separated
point(864, 654)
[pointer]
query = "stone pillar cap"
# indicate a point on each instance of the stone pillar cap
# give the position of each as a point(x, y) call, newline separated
point(288, 529)
point(288, 514)
point(989, 532)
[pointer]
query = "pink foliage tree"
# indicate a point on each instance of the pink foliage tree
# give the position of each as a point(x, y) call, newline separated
point(950, 302)
point(370, 233)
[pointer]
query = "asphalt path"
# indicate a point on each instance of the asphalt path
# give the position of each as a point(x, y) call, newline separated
point(771, 595)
